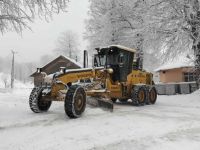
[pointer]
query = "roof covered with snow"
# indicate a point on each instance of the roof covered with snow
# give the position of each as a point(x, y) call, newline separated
point(124, 48)
point(61, 57)
point(180, 62)
point(73, 61)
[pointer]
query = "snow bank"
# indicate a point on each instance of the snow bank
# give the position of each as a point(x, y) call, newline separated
point(197, 92)
point(17, 84)
point(172, 123)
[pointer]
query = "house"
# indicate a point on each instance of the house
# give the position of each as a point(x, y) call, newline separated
point(53, 67)
point(179, 70)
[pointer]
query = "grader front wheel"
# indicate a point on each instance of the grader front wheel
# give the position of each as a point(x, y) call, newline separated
point(75, 101)
point(36, 103)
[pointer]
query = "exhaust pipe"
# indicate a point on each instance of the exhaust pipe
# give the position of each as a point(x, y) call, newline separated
point(85, 59)
point(85, 63)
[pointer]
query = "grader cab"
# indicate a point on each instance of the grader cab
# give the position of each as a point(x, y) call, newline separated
point(114, 76)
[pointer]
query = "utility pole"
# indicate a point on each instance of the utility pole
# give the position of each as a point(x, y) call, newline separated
point(13, 68)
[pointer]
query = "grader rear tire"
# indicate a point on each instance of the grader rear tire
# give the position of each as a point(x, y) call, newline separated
point(36, 103)
point(138, 96)
point(152, 95)
point(75, 101)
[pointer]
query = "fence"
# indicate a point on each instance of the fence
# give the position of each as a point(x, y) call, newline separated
point(176, 88)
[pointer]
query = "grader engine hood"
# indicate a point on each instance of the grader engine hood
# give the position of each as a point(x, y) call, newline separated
point(71, 75)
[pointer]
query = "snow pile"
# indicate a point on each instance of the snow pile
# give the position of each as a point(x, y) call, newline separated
point(197, 92)
point(172, 123)
point(17, 84)
point(180, 62)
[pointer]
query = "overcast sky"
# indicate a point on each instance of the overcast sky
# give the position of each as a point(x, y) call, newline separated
point(42, 39)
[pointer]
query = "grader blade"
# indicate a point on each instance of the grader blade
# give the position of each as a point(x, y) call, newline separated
point(103, 103)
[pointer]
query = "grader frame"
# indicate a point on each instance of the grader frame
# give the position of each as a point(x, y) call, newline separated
point(113, 77)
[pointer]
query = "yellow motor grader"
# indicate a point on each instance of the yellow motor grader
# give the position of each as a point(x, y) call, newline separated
point(114, 76)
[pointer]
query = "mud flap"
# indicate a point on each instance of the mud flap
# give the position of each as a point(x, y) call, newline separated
point(103, 103)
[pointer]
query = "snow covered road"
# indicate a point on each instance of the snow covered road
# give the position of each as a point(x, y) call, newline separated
point(172, 123)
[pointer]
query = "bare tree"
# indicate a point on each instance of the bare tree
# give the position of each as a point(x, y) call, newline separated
point(68, 44)
point(45, 59)
point(24, 70)
point(17, 14)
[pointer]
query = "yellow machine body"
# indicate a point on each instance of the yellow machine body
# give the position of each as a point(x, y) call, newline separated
point(114, 76)
point(101, 75)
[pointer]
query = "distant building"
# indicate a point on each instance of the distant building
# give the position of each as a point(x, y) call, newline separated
point(181, 70)
point(54, 66)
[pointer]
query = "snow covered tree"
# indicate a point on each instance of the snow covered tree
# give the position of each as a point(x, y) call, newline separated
point(110, 23)
point(68, 44)
point(17, 14)
point(174, 26)
point(162, 29)
point(118, 22)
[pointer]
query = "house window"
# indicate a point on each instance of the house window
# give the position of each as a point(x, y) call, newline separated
point(189, 76)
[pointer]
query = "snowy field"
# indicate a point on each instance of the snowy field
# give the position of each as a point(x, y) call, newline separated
point(172, 123)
